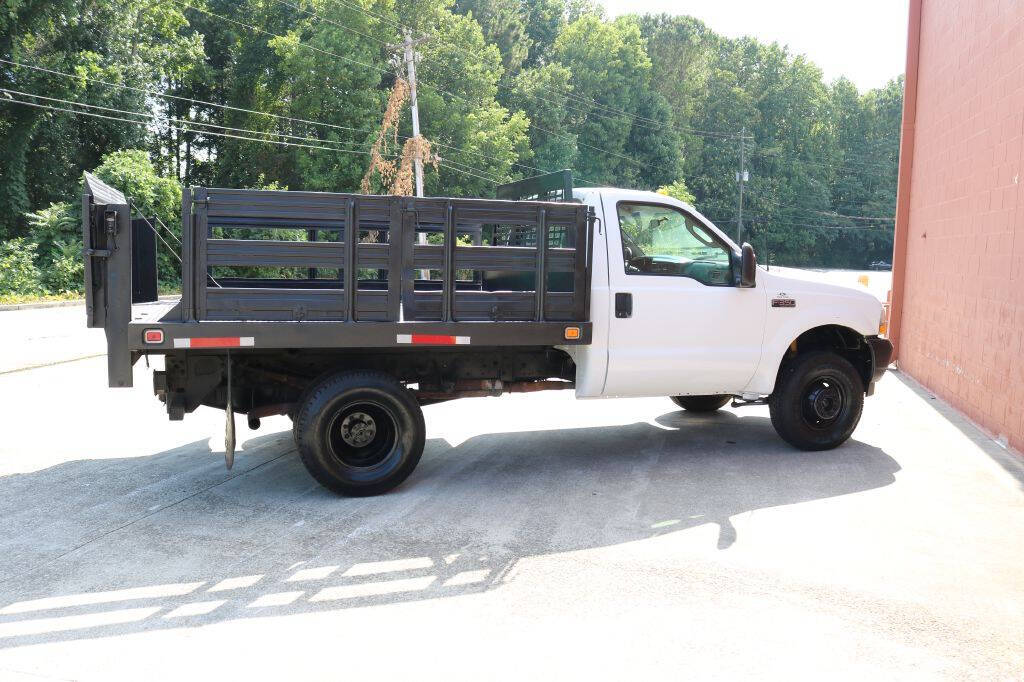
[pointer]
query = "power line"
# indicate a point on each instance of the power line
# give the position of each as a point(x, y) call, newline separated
point(430, 84)
point(157, 93)
point(478, 60)
point(509, 85)
point(276, 35)
point(343, 26)
point(448, 164)
point(792, 209)
point(176, 120)
point(401, 29)
point(385, 72)
point(851, 166)
point(184, 130)
point(798, 211)
point(630, 159)
point(210, 132)
point(773, 223)
point(291, 119)
point(354, 61)
point(849, 217)
point(777, 203)
point(163, 241)
point(832, 227)
point(483, 173)
point(662, 125)
point(798, 216)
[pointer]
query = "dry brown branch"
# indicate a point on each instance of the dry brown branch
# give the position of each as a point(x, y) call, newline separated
point(395, 175)
point(414, 147)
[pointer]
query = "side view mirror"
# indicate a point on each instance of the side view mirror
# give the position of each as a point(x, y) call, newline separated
point(748, 266)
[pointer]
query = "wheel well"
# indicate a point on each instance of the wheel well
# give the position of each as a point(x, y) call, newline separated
point(841, 340)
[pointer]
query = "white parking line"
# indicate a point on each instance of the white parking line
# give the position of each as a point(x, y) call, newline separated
point(373, 589)
point(87, 598)
point(372, 567)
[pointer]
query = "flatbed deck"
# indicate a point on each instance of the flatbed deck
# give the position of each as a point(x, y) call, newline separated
point(310, 270)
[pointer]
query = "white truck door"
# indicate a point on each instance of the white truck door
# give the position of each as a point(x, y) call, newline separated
point(678, 323)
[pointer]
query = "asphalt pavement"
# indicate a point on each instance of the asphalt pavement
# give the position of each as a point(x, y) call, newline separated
point(540, 537)
point(45, 336)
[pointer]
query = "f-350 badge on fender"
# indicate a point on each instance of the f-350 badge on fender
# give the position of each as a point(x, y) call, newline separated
point(783, 300)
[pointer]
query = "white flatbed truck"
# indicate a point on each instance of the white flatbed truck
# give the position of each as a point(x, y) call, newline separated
point(350, 324)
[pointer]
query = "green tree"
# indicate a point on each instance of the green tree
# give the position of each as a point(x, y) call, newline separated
point(678, 190)
point(505, 87)
point(543, 94)
point(153, 196)
point(135, 41)
point(625, 132)
point(478, 139)
point(504, 24)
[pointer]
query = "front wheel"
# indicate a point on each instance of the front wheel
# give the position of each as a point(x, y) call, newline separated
point(817, 401)
point(359, 433)
point(701, 403)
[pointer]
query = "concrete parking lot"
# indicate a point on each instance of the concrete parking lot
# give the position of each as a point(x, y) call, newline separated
point(540, 537)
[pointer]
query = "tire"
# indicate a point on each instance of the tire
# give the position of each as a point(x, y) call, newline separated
point(817, 402)
point(701, 403)
point(359, 433)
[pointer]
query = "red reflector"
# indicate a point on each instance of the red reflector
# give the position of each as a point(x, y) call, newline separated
point(434, 339)
point(153, 336)
point(217, 342)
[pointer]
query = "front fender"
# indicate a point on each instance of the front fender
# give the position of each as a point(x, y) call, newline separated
point(783, 328)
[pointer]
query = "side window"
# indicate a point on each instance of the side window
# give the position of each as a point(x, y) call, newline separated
point(661, 240)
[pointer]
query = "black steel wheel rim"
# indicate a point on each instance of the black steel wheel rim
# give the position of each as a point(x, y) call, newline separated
point(363, 434)
point(823, 402)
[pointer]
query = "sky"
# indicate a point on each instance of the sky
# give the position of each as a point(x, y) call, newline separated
point(866, 41)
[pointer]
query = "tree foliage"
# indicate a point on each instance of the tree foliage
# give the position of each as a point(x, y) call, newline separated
point(291, 94)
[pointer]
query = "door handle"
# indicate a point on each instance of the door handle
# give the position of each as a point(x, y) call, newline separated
point(623, 305)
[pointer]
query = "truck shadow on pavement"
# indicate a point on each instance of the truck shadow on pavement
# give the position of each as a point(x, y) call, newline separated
point(98, 548)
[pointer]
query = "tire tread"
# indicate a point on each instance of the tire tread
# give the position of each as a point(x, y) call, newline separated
point(321, 391)
point(783, 402)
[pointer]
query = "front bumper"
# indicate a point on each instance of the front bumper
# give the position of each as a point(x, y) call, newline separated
point(881, 356)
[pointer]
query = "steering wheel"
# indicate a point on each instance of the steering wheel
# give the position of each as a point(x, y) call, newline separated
point(641, 263)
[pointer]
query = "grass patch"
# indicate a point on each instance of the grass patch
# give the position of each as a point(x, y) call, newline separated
point(14, 299)
point(19, 299)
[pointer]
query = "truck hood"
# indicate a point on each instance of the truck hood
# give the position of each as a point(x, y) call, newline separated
point(821, 302)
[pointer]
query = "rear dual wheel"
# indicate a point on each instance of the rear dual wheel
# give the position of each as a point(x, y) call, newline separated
point(359, 433)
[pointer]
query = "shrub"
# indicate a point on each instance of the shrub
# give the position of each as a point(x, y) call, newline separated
point(18, 271)
point(58, 255)
point(56, 224)
point(131, 171)
point(66, 271)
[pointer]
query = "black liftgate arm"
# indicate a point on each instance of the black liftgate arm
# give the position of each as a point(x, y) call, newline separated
point(107, 240)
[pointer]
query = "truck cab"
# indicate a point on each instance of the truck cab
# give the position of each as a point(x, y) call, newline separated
point(673, 315)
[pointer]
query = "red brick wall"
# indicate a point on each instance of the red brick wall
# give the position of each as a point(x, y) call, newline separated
point(963, 310)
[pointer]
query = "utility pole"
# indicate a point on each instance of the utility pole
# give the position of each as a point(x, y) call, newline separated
point(409, 56)
point(410, 64)
point(741, 178)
